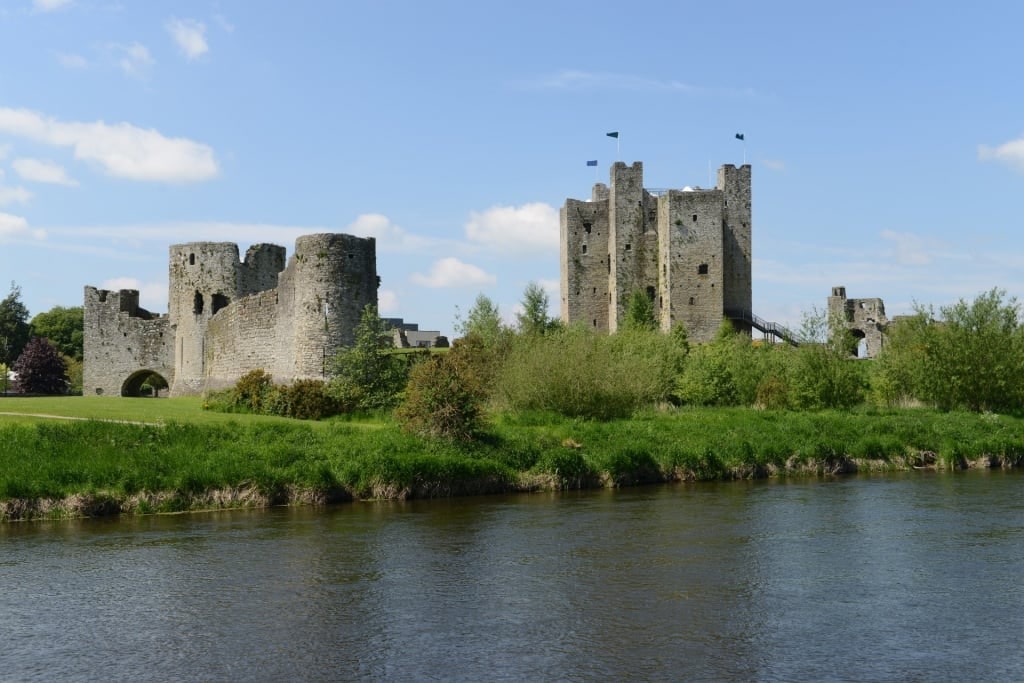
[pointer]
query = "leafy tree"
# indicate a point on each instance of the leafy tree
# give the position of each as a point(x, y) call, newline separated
point(483, 321)
point(15, 330)
point(640, 312)
point(64, 327)
point(534, 319)
point(41, 369)
point(367, 375)
point(972, 356)
point(822, 374)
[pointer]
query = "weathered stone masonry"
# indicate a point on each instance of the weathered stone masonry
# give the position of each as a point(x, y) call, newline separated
point(689, 250)
point(227, 317)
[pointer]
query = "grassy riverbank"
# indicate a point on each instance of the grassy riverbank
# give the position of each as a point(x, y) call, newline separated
point(185, 458)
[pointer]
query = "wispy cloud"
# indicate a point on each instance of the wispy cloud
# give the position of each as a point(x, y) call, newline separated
point(389, 236)
point(17, 226)
point(133, 59)
point(121, 150)
point(39, 171)
point(13, 195)
point(387, 301)
point(190, 36)
point(774, 164)
point(49, 5)
point(576, 80)
point(72, 61)
point(1010, 153)
point(519, 230)
point(451, 272)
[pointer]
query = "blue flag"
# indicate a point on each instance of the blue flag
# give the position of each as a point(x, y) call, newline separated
point(739, 136)
point(592, 163)
point(613, 134)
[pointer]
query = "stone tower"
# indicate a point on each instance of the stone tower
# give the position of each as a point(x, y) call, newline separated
point(205, 277)
point(863, 318)
point(689, 250)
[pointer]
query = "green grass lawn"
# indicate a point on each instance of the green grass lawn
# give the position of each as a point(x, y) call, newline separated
point(185, 409)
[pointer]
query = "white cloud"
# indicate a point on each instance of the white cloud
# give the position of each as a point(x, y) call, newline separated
point(152, 295)
point(49, 5)
point(121, 149)
point(526, 229)
point(133, 59)
point(190, 35)
point(774, 164)
point(451, 272)
point(908, 248)
point(16, 226)
point(390, 237)
point(12, 195)
point(576, 80)
point(72, 61)
point(387, 301)
point(42, 172)
point(1010, 153)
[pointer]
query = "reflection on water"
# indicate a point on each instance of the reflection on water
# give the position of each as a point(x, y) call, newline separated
point(908, 577)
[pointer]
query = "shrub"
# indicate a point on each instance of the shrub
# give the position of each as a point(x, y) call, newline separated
point(444, 398)
point(252, 389)
point(303, 399)
point(578, 373)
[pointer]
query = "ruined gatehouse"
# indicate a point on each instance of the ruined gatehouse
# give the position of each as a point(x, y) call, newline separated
point(228, 316)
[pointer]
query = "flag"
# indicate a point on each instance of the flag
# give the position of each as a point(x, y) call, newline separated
point(739, 136)
point(613, 134)
point(592, 163)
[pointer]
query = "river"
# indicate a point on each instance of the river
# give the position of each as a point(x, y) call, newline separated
point(907, 577)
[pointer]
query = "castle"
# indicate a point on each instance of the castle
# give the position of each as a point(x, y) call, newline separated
point(226, 316)
point(863, 318)
point(688, 250)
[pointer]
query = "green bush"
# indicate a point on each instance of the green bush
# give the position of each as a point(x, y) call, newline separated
point(576, 372)
point(303, 399)
point(252, 389)
point(444, 398)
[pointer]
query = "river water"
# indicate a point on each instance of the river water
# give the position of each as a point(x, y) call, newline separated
point(911, 577)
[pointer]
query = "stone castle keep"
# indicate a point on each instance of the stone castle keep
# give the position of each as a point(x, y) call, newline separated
point(226, 316)
point(689, 250)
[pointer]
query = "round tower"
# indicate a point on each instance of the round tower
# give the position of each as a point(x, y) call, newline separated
point(334, 277)
point(203, 279)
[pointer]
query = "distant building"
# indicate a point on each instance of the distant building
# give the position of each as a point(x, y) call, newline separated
point(408, 335)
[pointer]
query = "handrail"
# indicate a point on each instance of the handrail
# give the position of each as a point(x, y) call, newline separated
point(766, 327)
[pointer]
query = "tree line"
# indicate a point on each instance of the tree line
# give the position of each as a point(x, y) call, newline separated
point(969, 355)
point(45, 351)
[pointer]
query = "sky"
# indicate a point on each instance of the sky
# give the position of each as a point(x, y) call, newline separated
point(886, 139)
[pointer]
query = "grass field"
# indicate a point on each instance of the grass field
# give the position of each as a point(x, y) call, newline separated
point(172, 455)
point(185, 409)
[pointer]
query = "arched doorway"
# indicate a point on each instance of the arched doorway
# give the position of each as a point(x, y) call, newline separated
point(145, 383)
point(859, 347)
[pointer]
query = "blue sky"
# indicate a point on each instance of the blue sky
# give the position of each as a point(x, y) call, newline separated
point(886, 138)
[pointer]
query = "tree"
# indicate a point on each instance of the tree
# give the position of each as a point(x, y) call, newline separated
point(972, 356)
point(483, 321)
point(41, 369)
point(534, 319)
point(14, 328)
point(64, 327)
point(366, 375)
point(640, 312)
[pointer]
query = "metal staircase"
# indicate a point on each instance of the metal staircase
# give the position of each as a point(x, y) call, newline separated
point(776, 330)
